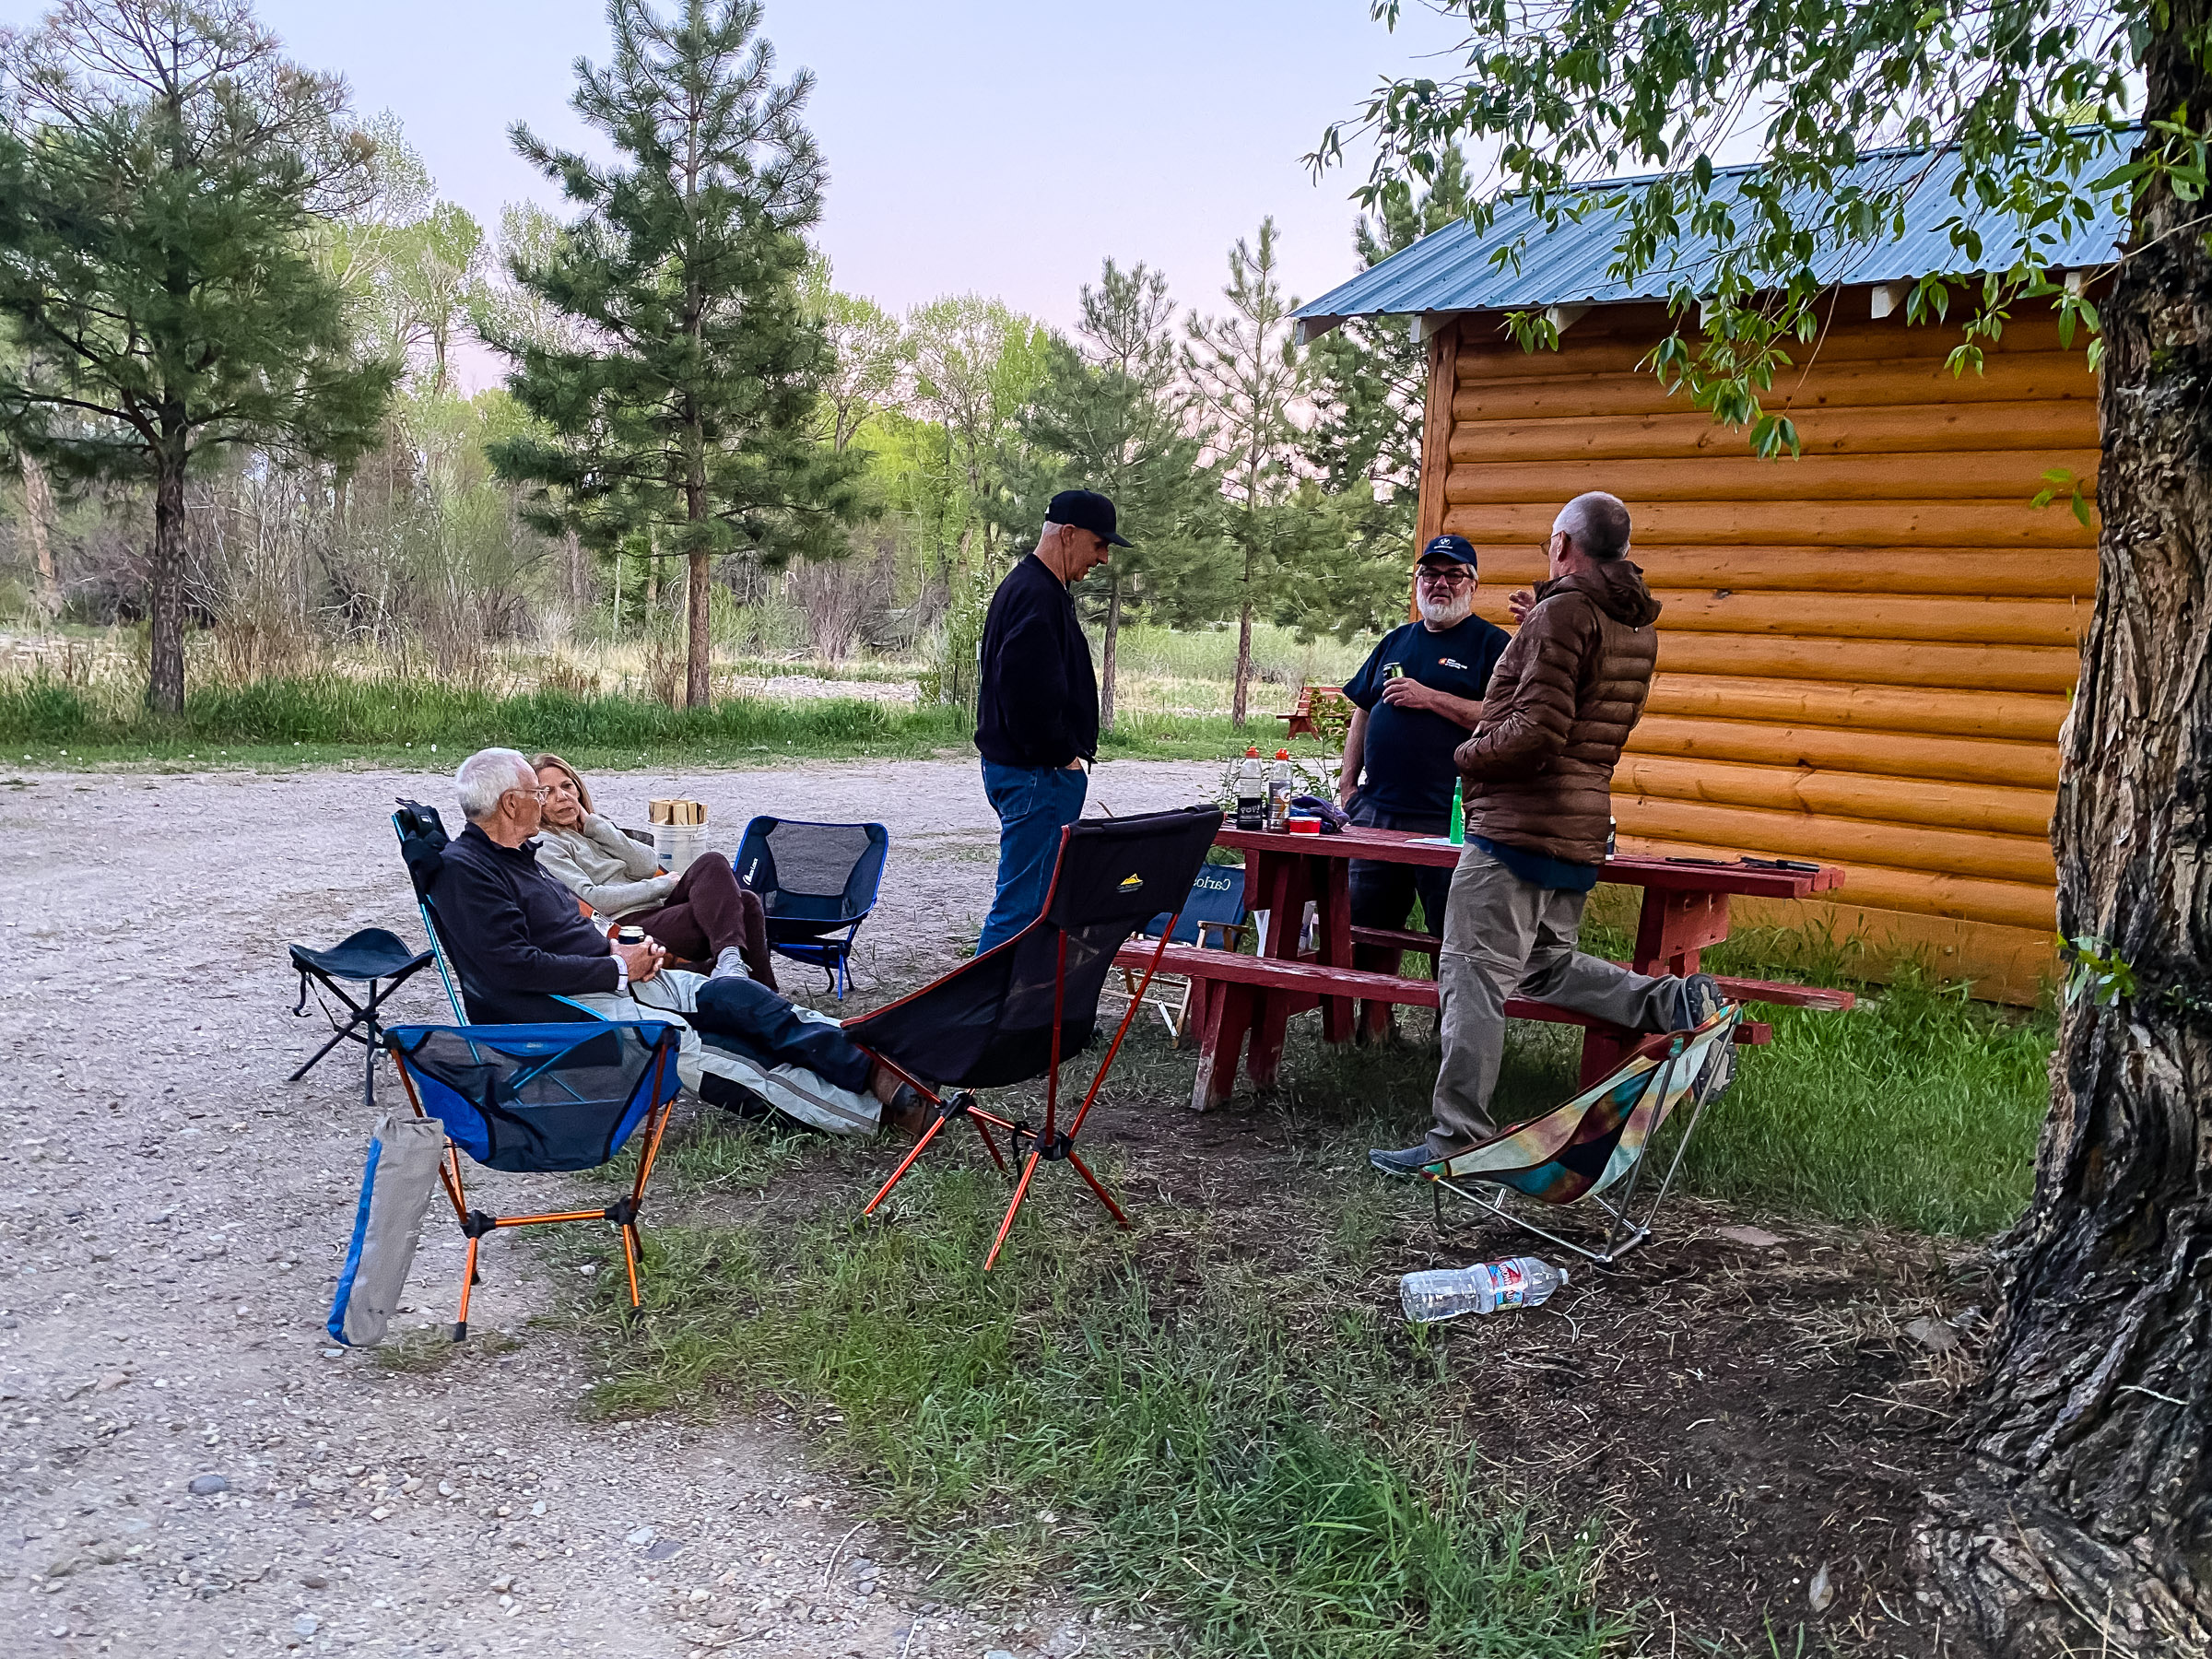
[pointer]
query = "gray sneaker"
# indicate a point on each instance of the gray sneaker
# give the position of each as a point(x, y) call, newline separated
point(1701, 999)
point(1408, 1163)
point(730, 964)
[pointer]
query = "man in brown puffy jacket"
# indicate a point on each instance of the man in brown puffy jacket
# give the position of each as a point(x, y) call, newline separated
point(1539, 777)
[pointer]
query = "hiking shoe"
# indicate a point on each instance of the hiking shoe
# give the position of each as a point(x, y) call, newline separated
point(1701, 999)
point(1407, 1163)
point(730, 964)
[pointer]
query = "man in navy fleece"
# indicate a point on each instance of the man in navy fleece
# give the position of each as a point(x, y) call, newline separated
point(1037, 705)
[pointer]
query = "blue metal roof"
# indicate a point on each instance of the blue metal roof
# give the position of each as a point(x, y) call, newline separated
point(1451, 270)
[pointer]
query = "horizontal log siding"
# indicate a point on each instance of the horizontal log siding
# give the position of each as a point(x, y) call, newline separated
point(1866, 653)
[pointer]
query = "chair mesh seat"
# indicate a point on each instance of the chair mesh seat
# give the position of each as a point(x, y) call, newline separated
point(539, 1097)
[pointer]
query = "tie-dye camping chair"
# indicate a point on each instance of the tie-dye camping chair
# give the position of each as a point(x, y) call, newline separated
point(1593, 1147)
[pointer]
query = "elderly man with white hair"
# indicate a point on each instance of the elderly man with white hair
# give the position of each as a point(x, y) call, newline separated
point(525, 953)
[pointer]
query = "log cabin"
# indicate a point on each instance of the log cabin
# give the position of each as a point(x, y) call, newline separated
point(1865, 650)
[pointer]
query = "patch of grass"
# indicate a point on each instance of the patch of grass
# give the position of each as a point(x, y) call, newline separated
point(1238, 1449)
point(334, 718)
point(1918, 1108)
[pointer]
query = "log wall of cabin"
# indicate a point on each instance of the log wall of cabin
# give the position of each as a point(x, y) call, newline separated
point(1866, 653)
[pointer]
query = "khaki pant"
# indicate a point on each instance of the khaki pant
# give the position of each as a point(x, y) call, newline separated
point(1505, 936)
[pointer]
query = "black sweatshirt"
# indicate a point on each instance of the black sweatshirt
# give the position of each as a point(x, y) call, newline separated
point(1037, 704)
point(515, 933)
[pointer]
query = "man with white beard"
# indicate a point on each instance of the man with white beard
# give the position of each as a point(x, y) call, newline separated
point(1418, 696)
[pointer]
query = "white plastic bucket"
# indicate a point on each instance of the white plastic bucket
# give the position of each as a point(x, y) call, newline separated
point(678, 844)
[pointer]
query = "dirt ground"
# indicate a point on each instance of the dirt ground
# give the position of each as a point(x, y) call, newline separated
point(1749, 1416)
point(173, 1215)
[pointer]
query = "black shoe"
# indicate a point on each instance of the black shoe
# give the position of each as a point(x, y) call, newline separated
point(1409, 1163)
point(1701, 999)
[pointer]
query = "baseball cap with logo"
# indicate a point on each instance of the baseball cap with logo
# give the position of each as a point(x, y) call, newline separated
point(1086, 509)
point(1457, 549)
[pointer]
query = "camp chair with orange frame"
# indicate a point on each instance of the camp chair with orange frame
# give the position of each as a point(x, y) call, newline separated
point(541, 1098)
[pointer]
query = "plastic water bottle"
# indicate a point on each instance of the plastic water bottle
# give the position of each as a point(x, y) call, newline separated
point(1447, 1292)
point(1459, 815)
point(1280, 788)
point(1251, 792)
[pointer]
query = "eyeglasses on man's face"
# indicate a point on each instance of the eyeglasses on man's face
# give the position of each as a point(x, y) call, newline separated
point(1447, 575)
point(540, 789)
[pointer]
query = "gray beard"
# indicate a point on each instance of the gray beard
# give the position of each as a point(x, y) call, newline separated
point(1447, 615)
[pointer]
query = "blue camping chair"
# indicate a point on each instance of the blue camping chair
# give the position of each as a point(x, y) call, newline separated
point(1212, 918)
point(817, 883)
point(535, 1097)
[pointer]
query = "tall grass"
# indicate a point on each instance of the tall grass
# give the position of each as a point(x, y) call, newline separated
point(335, 716)
point(1248, 1459)
point(379, 716)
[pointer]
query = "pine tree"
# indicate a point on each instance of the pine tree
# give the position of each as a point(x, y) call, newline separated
point(164, 176)
point(1368, 387)
point(1104, 419)
point(1246, 375)
point(689, 409)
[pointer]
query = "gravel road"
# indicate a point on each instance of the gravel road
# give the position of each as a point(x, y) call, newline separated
point(186, 1466)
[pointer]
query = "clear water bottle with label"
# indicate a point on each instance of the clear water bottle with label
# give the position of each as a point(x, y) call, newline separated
point(1251, 792)
point(1447, 1292)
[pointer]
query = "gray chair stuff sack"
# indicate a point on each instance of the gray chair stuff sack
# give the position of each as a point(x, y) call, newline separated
point(395, 1191)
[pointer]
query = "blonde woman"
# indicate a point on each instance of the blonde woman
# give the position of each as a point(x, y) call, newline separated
point(698, 915)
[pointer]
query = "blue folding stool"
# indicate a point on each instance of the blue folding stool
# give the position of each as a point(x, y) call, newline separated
point(541, 1098)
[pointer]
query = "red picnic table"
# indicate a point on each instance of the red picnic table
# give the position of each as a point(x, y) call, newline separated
point(1240, 997)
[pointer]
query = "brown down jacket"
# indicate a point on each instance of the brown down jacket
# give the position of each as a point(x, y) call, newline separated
point(1561, 703)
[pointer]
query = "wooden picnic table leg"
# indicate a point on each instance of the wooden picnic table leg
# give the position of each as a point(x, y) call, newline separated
point(1286, 893)
point(1674, 926)
point(1227, 1019)
point(1332, 877)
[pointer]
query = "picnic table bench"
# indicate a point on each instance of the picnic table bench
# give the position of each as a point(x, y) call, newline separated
point(1243, 1003)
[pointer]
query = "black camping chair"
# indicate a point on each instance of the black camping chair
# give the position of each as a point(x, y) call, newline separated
point(1018, 1010)
point(816, 883)
point(361, 959)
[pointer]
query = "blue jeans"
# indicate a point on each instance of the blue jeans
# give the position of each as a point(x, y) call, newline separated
point(763, 1025)
point(1033, 803)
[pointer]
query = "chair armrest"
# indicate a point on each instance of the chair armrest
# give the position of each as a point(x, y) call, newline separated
point(643, 837)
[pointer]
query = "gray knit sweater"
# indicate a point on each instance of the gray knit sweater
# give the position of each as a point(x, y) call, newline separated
point(603, 867)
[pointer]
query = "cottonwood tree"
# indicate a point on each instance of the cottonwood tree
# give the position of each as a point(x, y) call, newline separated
point(867, 353)
point(688, 410)
point(2082, 1520)
point(975, 364)
point(165, 172)
point(1245, 375)
point(1106, 418)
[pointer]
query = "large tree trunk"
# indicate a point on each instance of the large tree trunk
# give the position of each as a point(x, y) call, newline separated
point(38, 512)
point(2083, 1521)
point(165, 589)
point(1113, 628)
point(699, 649)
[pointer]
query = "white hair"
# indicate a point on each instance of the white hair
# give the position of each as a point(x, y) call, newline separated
point(487, 775)
point(1596, 523)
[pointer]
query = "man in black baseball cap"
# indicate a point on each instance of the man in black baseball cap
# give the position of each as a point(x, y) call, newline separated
point(1418, 697)
point(1037, 704)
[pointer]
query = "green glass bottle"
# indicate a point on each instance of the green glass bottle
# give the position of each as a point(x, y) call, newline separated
point(1459, 816)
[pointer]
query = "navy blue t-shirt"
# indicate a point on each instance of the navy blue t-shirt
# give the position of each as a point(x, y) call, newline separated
point(1409, 767)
